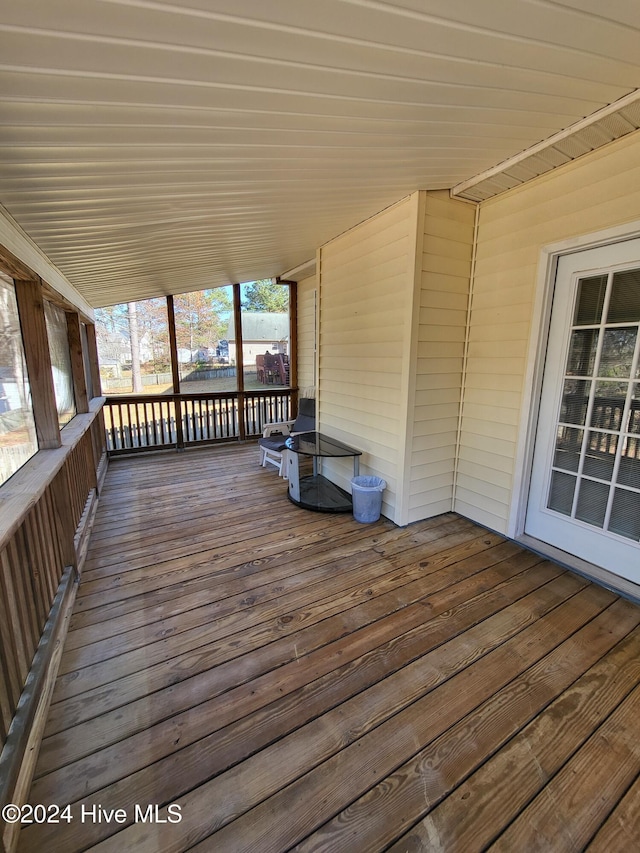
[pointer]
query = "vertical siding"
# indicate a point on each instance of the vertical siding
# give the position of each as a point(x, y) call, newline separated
point(366, 288)
point(445, 271)
point(307, 332)
point(598, 191)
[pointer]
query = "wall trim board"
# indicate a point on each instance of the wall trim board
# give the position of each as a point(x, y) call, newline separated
point(410, 357)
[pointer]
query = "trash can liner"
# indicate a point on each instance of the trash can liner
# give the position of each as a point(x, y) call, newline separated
point(366, 494)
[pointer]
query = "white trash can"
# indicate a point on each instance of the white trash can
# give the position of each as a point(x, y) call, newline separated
point(366, 493)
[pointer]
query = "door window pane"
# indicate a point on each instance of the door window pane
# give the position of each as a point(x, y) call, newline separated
point(574, 401)
point(629, 471)
point(625, 514)
point(582, 352)
point(568, 447)
point(608, 405)
point(617, 352)
point(591, 293)
point(56, 320)
point(600, 454)
point(18, 441)
point(561, 493)
point(592, 502)
point(624, 303)
point(634, 414)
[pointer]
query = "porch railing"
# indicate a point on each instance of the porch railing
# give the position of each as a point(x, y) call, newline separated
point(47, 514)
point(142, 422)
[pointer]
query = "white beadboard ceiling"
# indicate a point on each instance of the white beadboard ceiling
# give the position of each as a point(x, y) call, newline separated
point(150, 147)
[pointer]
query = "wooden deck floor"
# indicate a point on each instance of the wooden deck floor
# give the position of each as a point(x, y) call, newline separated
point(297, 680)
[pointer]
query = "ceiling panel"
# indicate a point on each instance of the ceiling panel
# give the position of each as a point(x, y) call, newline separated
point(150, 147)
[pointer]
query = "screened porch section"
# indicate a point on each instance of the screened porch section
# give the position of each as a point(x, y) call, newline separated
point(213, 365)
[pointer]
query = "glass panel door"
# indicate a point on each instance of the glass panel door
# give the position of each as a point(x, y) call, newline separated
point(585, 486)
point(596, 467)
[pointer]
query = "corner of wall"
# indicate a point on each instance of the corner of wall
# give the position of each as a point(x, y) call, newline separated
point(410, 358)
point(443, 314)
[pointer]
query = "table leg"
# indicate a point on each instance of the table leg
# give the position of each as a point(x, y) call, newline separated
point(293, 473)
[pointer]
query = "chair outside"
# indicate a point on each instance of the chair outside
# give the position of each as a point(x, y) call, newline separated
point(273, 448)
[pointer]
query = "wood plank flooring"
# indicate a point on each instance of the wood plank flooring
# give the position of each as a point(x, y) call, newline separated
point(274, 679)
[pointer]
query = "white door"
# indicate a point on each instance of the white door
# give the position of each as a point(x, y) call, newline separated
point(585, 484)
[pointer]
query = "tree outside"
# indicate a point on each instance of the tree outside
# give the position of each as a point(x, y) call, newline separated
point(133, 347)
point(265, 295)
point(133, 339)
point(201, 318)
point(137, 334)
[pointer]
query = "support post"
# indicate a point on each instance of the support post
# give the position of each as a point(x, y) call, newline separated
point(237, 321)
point(36, 351)
point(77, 363)
point(173, 345)
point(94, 363)
point(175, 372)
point(293, 344)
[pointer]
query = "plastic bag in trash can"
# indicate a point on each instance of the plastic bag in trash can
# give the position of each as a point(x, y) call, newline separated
point(366, 493)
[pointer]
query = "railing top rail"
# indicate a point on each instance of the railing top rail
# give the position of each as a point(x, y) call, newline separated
point(25, 488)
point(150, 398)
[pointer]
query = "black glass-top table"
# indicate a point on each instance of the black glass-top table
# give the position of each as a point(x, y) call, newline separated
point(317, 492)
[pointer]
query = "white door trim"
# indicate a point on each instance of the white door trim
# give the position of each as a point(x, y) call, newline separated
point(538, 338)
point(584, 537)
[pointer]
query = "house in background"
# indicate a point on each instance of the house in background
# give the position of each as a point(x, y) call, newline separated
point(115, 352)
point(203, 354)
point(262, 332)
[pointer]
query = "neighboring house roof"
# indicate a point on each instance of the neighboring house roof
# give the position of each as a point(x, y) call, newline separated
point(261, 326)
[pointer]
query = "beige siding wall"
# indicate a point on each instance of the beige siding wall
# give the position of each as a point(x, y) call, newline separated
point(598, 191)
point(307, 289)
point(444, 270)
point(366, 290)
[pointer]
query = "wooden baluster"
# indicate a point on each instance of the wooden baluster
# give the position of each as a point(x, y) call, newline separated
point(179, 429)
point(109, 408)
point(154, 423)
